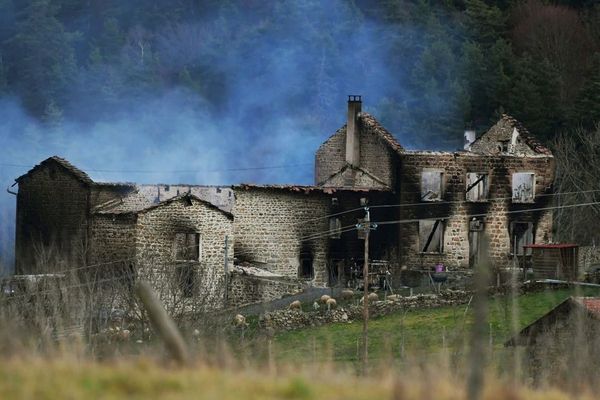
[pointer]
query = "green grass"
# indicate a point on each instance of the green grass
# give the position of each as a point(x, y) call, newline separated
point(421, 331)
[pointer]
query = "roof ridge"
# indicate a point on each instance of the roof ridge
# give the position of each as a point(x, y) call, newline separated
point(376, 127)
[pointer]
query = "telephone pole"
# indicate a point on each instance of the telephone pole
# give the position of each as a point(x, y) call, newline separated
point(366, 226)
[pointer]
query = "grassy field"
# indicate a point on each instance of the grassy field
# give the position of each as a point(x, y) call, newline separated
point(316, 363)
point(416, 332)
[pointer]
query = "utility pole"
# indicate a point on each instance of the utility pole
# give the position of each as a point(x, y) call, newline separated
point(366, 227)
point(226, 269)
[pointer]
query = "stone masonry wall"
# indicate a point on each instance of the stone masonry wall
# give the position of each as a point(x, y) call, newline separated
point(112, 241)
point(273, 227)
point(375, 157)
point(52, 208)
point(497, 222)
point(245, 290)
point(156, 229)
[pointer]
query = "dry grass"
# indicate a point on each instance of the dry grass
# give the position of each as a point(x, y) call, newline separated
point(145, 379)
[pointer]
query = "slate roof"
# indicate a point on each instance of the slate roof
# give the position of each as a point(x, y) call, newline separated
point(73, 170)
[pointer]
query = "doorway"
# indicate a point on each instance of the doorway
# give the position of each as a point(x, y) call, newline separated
point(476, 226)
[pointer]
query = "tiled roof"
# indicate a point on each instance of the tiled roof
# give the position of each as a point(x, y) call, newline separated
point(592, 304)
point(76, 172)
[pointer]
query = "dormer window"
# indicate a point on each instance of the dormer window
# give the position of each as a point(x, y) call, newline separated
point(504, 146)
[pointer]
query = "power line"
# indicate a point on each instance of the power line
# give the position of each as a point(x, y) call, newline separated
point(144, 171)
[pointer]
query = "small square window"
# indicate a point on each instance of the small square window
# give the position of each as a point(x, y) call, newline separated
point(523, 187)
point(187, 247)
point(477, 186)
point(431, 236)
point(431, 185)
point(306, 270)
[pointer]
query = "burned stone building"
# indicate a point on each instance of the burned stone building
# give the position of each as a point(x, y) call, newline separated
point(429, 207)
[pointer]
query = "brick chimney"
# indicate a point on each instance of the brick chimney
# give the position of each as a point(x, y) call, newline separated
point(352, 131)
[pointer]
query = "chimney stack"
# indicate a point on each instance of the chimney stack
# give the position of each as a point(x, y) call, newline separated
point(469, 139)
point(352, 131)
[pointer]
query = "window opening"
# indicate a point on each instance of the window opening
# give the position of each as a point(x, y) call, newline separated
point(431, 235)
point(477, 186)
point(431, 185)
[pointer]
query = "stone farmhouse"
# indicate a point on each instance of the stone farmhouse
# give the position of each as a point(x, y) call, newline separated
point(247, 243)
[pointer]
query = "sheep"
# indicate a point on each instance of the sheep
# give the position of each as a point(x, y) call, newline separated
point(347, 294)
point(324, 298)
point(371, 296)
point(393, 297)
point(331, 303)
point(295, 305)
point(240, 321)
point(124, 334)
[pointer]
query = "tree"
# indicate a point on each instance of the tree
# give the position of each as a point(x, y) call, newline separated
point(43, 57)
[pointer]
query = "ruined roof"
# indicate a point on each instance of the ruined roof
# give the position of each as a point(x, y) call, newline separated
point(368, 121)
point(137, 203)
point(306, 189)
point(371, 124)
point(503, 130)
point(360, 169)
point(73, 170)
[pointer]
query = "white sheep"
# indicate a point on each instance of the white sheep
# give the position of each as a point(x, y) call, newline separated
point(240, 321)
point(331, 303)
point(347, 294)
point(371, 296)
point(324, 298)
point(393, 297)
point(295, 305)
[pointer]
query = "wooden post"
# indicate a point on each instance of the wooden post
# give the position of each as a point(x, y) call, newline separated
point(162, 322)
point(226, 270)
point(365, 355)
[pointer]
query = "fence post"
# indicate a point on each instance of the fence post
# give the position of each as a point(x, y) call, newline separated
point(162, 322)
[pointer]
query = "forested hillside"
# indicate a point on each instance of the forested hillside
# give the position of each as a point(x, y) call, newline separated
point(427, 68)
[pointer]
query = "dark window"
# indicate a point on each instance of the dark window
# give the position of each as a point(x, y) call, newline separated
point(306, 270)
point(477, 186)
point(521, 235)
point(187, 247)
point(504, 146)
point(431, 236)
point(335, 228)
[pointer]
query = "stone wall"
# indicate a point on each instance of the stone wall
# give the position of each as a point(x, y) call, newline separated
point(156, 229)
point(273, 229)
point(244, 289)
point(497, 214)
point(375, 157)
point(287, 320)
point(112, 241)
point(52, 207)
